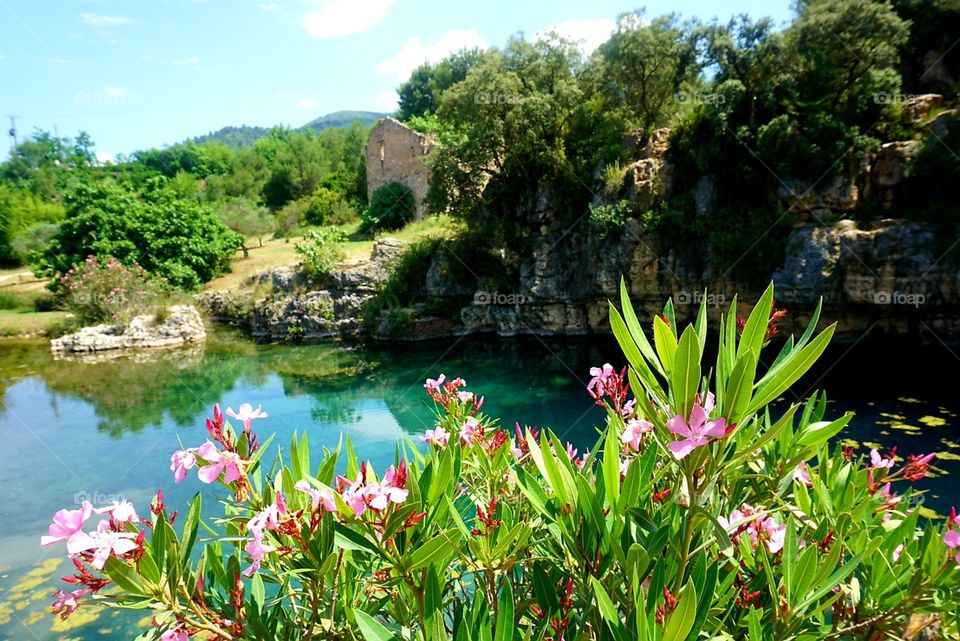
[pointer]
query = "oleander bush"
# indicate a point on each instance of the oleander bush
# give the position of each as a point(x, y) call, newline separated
point(702, 512)
point(106, 291)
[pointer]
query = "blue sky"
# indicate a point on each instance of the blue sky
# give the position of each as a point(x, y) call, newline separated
point(138, 74)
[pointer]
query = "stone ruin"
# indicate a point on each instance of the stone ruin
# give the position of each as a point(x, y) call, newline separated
point(395, 153)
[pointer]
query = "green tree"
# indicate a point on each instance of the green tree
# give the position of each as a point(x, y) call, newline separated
point(180, 240)
point(643, 66)
point(247, 219)
point(420, 95)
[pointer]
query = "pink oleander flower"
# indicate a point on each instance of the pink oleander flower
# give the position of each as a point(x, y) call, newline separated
point(470, 431)
point(68, 526)
point(437, 436)
point(634, 431)
point(625, 466)
point(318, 496)
point(257, 550)
point(601, 378)
point(247, 414)
point(628, 407)
point(801, 474)
point(360, 495)
point(878, 462)
point(176, 633)
point(105, 542)
point(180, 462)
point(698, 430)
point(465, 396)
point(761, 529)
point(433, 385)
point(226, 463)
point(120, 511)
point(67, 602)
point(268, 518)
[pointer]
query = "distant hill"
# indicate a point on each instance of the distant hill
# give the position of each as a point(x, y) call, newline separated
point(244, 136)
point(343, 119)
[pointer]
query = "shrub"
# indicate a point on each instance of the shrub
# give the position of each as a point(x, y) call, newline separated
point(179, 240)
point(106, 291)
point(247, 219)
point(320, 251)
point(391, 207)
point(609, 218)
point(33, 241)
point(702, 513)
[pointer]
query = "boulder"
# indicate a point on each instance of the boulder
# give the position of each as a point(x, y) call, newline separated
point(182, 325)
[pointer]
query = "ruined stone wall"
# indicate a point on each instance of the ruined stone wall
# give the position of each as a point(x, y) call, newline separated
point(395, 153)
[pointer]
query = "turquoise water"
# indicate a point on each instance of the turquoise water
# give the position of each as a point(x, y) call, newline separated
point(72, 431)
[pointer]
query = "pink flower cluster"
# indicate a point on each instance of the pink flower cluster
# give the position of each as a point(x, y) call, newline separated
point(362, 494)
point(951, 537)
point(757, 525)
point(112, 537)
point(606, 382)
point(444, 392)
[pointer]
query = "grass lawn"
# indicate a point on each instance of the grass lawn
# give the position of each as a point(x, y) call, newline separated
point(16, 322)
point(280, 251)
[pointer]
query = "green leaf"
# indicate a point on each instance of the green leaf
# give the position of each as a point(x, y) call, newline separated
point(257, 592)
point(433, 549)
point(636, 330)
point(739, 387)
point(611, 464)
point(189, 534)
point(682, 619)
point(505, 613)
point(666, 343)
point(685, 375)
point(799, 362)
point(124, 576)
point(349, 539)
point(607, 609)
point(371, 629)
point(756, 327)
point(816, 434)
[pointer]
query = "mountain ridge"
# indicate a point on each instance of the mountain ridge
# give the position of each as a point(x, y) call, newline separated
point(246, 135)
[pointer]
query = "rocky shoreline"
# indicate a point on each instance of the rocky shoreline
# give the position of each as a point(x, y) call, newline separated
point(181, 326)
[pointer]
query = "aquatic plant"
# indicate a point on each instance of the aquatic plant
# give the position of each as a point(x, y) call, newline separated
point(703, 512)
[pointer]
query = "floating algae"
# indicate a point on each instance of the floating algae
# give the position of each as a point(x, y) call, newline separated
point(904, 399)
point(933, 421)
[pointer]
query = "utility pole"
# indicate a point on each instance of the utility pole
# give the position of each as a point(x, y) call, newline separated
point(13, 129)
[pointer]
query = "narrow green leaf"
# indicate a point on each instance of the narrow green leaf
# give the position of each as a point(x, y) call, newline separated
point(756, 327)
point(371, 629)
point(666, 343)
point(739, 389)
point(685, 374)
point(799, 362)
point(682, 619)
point(505, 613)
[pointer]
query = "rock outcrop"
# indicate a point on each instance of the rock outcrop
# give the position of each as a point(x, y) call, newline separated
point(181, 326)
point(283, 305)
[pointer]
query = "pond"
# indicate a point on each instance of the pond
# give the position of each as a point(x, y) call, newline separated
point(98, 431)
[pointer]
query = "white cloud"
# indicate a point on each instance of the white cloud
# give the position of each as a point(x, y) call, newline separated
point(189, 60)
point(308, 103)
point(386, 101)
point(99, 20)
point(589, 33)
point(272, 7)
point(115, 92)
point(414, 53)
point(104, 157)
point(343, 17)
